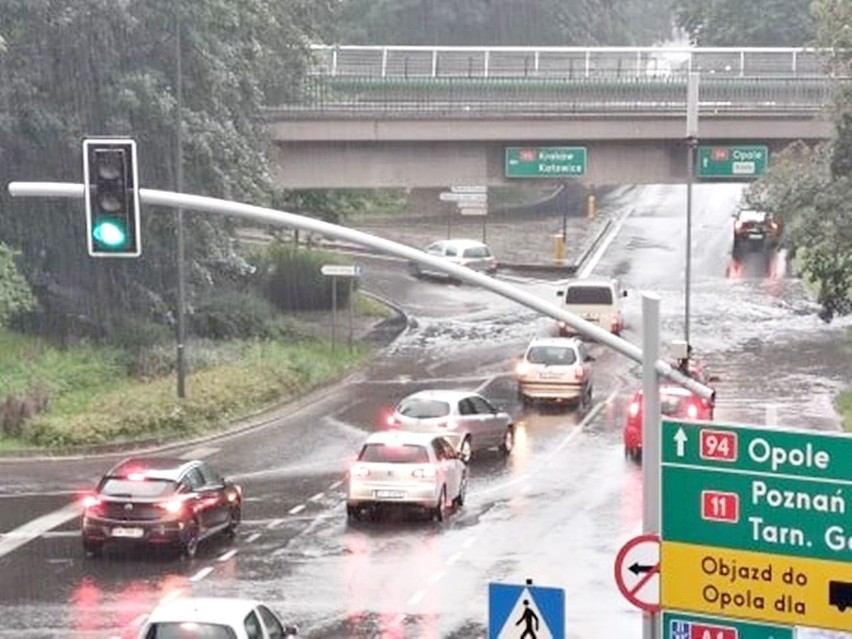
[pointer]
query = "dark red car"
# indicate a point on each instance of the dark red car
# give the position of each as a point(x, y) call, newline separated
point(160, 501)
point(675, 401)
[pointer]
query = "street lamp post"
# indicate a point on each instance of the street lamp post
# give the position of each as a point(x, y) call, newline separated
point(181, 258)
point(691, 144)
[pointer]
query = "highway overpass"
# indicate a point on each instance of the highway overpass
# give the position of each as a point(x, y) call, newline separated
point(437, 116)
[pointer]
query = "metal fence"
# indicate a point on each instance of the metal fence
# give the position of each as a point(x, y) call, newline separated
point(562, 62)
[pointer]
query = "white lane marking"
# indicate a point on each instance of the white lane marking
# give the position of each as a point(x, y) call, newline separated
point(436, 577)
point(252, 538)
point(139, 620)
point(53, 493)
point(589, 266)
point(274, 523)
point(24, 534)
point(416, 598)
point(469, 541)
point(336, 485)
point(228, 555)
point(174, 594)
point(295, 510)
point(317, 497)
point(199, 453)
point(201, 574)
point(487, 383)
point(449, 561)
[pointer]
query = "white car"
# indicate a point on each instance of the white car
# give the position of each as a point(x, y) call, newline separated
point(467, 419)
point(214, 618)
point(596, 301)
point(406, 469)
point(555, 369)
point(470, 253)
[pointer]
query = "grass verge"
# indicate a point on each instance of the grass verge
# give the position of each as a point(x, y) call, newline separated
point(92, 401)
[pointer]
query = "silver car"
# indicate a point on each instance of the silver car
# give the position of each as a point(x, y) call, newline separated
point(470, 253)
point(465, 418)
point(406, 469)
point(555, 369)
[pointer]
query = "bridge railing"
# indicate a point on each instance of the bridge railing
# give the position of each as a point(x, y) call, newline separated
point(562, 62)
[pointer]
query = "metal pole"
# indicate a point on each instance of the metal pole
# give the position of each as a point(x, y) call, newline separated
point(691, 137)
point(650, 431)
point(333, 310)
point(181, 257)
point(351, 293)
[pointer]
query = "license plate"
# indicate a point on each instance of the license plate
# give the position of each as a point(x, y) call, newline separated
point(550, 375)
point(133, 533)
point(390, 494)
point(755, 236)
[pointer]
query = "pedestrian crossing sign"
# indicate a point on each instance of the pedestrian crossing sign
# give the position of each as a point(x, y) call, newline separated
point(525, 612)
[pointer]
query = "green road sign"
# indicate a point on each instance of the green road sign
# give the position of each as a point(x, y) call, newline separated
point(773, 491)
point(736, 162)
point(680, 626)
point(545, 161)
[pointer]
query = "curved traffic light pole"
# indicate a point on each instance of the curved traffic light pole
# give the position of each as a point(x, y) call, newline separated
point(272, 216)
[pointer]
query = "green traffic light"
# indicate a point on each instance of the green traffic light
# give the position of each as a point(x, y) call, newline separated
point(110, 233)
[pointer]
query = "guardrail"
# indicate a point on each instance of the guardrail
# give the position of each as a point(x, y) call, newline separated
point(563, 62)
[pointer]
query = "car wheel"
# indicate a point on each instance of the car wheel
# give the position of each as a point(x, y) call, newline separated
point(93, 548)
point(462, 491)
point(233, 522)
point(353, 513)
point(508, 442)
point(189, 545)
point(465, 451)
point(440, 511)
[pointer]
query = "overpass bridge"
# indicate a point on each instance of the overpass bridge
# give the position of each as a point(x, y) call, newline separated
point(436, 116)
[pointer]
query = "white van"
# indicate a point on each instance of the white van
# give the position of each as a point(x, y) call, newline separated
point(596, 301)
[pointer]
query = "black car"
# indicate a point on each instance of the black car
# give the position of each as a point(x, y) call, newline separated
point(755, 230)
point(160, 501)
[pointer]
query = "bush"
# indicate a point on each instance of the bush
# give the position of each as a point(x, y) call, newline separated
point(233, 315)
point(290, 278)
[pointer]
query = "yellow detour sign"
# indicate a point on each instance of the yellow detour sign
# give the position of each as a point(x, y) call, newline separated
point(795, 591)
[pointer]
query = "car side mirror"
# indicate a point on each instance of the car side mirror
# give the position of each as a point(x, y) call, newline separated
point(560, 293)
point(714, 378)
point(624, 293)
point(291, 631)
point(590, 358)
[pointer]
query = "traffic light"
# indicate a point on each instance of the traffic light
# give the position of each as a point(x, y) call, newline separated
point(112, 197)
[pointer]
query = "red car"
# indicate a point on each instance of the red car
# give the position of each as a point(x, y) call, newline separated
point(675, 401)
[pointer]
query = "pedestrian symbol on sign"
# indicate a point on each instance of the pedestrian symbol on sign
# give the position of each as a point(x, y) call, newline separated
point(525, 612)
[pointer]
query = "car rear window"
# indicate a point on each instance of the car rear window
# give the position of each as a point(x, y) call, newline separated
point(385, 454)
point(121, 487)
point(669, 404)
point(189, 630)
point(552, 355)
point(424, 408)
point(588, 295)
point(477, 252)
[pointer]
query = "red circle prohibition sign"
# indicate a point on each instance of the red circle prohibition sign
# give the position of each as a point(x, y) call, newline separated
point(631, 594)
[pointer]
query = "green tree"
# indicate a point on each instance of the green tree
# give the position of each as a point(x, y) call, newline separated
point(15, 294)
point(106, 67)
point(755, 23)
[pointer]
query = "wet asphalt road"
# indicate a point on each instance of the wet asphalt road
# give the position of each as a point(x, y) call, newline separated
point(556, 511)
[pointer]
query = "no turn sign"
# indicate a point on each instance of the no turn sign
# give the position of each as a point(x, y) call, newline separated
point(637, 572)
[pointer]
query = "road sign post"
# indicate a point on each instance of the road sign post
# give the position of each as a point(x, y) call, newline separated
point(757, 522)
point(732, 162)
point(335, 271)
point(545, 161)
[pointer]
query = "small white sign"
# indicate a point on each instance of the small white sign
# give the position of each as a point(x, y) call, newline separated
point(480, 210)
point(469, 189)
point(341, 270)
point(448, 196)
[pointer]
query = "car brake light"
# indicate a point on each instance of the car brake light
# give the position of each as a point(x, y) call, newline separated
point(522, 369)
point(360, 471)
point(692, 411)
point(426, 472)
point(233, 495)
point(579, 374)
point(634, 409)
point(738, 225)
point(172, 506)
point(91, 501)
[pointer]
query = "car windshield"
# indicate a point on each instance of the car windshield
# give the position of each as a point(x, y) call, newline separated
point(752, 216)
point(552, 355)
point(588, 295)
point(424, 408)
point(385, 454)
point(189, 630)
point(477, 252)
point(121, 487)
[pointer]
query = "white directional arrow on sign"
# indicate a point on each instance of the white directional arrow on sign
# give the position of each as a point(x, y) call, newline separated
point(680, 439)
